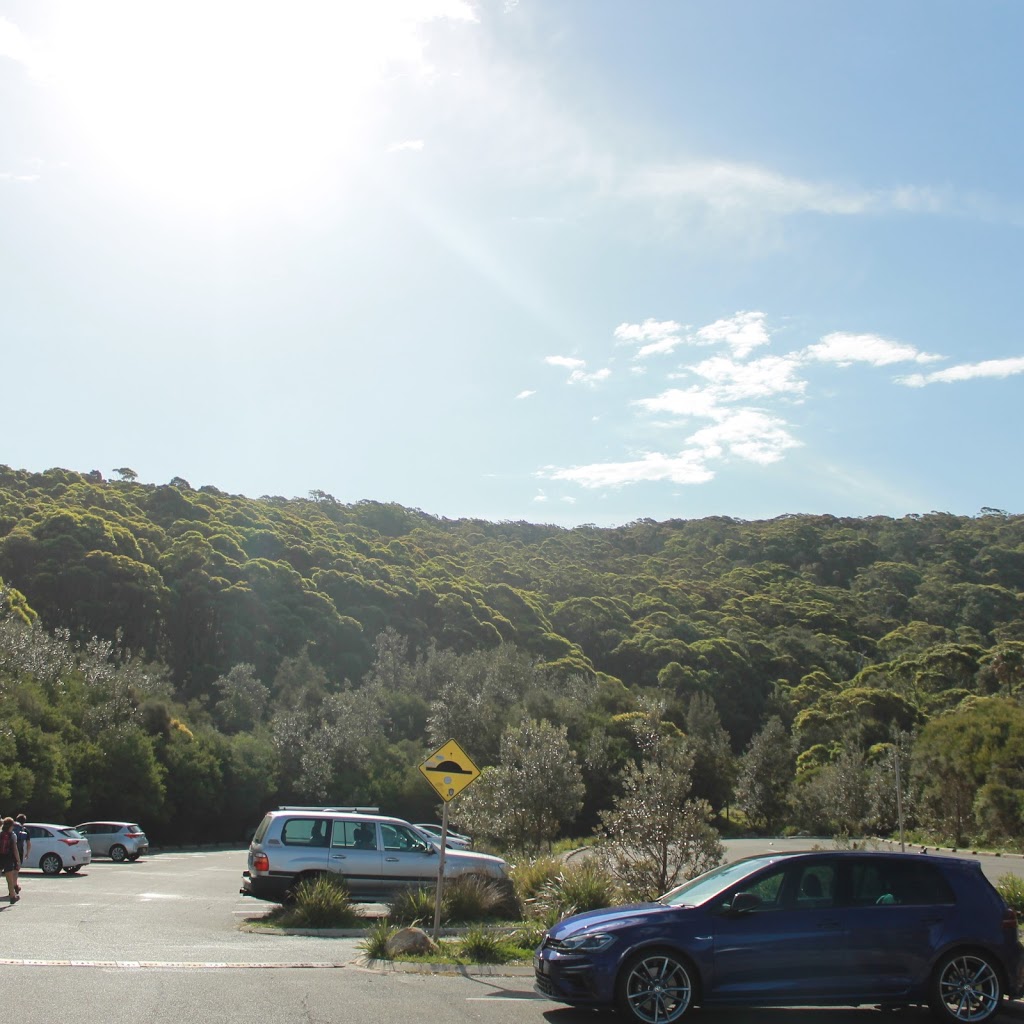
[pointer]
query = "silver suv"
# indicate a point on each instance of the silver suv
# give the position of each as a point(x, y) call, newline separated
point(118, 840)
point(375, 855)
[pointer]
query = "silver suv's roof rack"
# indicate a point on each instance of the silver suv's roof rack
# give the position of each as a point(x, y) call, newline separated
point(351, 810)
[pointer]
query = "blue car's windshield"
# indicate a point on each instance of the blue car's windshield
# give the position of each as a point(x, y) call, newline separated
point(703, 887)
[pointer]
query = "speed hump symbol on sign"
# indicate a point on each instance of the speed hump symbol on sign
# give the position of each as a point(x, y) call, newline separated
point(449, 770)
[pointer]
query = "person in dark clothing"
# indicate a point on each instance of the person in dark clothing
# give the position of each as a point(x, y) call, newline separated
point(9, 862)
point(24, 845)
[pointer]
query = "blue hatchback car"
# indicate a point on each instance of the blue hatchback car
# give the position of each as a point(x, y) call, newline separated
point(836, 928)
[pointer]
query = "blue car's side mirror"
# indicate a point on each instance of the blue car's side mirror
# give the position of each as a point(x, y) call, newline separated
point(744, 902)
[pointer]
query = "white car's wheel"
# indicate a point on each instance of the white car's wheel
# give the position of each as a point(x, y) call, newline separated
point(50, 864)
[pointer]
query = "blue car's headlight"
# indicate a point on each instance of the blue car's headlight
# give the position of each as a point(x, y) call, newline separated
point(586, 942)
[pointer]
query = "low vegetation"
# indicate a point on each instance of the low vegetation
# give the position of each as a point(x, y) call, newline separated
point(320, 902)
point(479, 944)
point(468, 898)
point(1011, 888)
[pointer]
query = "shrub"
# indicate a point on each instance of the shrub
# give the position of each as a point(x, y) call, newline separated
point(477, 898)
point(529, 876)
point(465, 898)
point(483, 946)
point(412, 906)
point(375, 944)
point(1011, 888)
point(321, 902)
point(586, 885)
point(530, 934)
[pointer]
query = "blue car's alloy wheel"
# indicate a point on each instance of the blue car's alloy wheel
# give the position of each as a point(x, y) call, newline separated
point(966, 988)
point(655, 988)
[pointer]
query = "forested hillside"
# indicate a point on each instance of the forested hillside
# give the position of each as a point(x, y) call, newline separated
point(191, 657)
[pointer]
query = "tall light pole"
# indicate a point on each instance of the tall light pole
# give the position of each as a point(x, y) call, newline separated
point(899, 795)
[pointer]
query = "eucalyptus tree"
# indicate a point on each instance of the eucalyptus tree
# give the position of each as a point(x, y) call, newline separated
point(654, 835)
point(766, 773)
point(534, 791)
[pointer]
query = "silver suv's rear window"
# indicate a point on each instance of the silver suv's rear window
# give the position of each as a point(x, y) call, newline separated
point(262, 830)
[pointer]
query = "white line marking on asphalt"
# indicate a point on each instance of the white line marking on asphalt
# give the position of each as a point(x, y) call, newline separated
point(166, 964)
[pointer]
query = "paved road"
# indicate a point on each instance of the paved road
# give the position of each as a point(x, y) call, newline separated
point(161, 940)
point(993, 866)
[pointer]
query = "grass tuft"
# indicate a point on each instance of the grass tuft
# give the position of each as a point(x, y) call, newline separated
point(320, 902)
point(375, 944)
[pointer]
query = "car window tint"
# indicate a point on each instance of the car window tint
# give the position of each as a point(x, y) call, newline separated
point(37, 832)
point(354, 835)
point(899, 883)
point(868, 885)
point(304, 832)
point(767, 888)
point(261, 830)
point(397, 837)
point(816, 886)
point(916, 884)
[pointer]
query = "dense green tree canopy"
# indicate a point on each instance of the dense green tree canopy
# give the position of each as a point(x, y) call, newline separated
point(303, 648)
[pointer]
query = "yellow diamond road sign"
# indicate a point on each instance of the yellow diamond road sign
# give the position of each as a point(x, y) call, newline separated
point(449, 770)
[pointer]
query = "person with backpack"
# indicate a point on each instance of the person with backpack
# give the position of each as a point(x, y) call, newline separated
point(24, 841)
point(9, 862)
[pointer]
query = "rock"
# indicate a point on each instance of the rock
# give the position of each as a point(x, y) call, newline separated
point(414, 941)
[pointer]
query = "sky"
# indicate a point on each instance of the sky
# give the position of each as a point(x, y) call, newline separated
point(559, 261)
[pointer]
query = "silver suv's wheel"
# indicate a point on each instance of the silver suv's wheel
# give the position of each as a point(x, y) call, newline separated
point(118, 853)
point(655, 988)
point(50, 864)
point(966, 988)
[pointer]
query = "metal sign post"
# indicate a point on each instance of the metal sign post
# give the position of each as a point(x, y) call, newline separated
point(449, 770)
point(439, 892)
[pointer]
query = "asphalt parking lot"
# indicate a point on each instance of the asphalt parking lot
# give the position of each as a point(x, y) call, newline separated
point(167, 936)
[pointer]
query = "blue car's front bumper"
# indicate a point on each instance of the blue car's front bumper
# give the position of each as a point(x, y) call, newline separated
point(578, 980)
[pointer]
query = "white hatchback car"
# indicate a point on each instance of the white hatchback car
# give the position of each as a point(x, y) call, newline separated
point(56, 848)
point(453, 840)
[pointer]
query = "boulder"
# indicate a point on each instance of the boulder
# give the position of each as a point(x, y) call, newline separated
point(411, 941)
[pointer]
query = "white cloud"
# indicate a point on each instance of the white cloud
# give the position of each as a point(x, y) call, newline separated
point(742, 332)
point(677, 402)
point(748, 434)
point(15, 45)
point(525, 394)
point(685, 468)
point(414, 145)
point(734, 381)
point(735, 188)
point(567, 361)
point(845, 349)
point(581, 377)
point(998, 368)
point(655, 337)
point(578, 375)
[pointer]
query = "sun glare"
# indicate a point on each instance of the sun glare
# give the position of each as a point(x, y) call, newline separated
point(229, 103)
